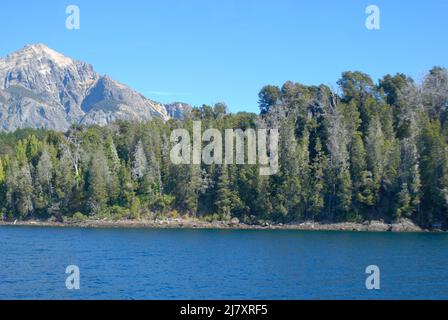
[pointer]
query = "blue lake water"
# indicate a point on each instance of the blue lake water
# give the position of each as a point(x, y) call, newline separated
point(220, 264)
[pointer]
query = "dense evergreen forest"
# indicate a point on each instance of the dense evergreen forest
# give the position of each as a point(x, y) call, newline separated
point(366, 151)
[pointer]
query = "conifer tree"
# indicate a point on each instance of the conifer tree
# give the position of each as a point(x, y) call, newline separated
point(98, 177)
point(223, 202)
point(65, 180)
point(43, 185)
point(20, 190)
point(318, 169)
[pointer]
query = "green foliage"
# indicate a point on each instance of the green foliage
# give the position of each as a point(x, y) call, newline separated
point(379, 151)
point(79, 217)
point(227, 199)
point(268, 97)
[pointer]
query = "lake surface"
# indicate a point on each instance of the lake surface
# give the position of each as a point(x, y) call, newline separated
point(220, 264)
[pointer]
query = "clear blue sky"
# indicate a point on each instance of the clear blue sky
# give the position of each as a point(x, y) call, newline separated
point(205, 51)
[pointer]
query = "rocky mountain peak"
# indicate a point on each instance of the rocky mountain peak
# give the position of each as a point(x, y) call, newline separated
point(40, 52)
point(37, 57)
point(40, 87)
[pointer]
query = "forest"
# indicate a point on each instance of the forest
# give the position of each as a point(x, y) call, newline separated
point(367, 150)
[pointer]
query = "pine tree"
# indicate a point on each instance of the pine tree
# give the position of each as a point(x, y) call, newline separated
point(339, 184)
point(127, 194)
point(433, 164)
point(139, 163)
point(223, 202)
point(20, 190)
point(375, 160)
point(65, 180)
point(141, 172)
point(43, 186)
point(113, 162)
point(20, 153)
point(317, 195)
point(97, 182)
point(112, 154)
point(33, 147)
point(367, 192)
point(404, 202)
point(189, 186)
point(288, 191)
point(304, 173)
point(415, 188)
point(409, 174)
point(263, 199)
point(247, 187)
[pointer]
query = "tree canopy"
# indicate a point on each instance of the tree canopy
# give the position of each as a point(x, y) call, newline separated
point(376, 151)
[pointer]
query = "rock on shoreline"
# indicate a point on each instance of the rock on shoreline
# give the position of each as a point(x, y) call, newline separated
point(404, 225)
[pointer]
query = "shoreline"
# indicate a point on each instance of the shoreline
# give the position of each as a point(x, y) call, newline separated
point(186, 223)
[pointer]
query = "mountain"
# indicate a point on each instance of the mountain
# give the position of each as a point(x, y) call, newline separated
point(40, 87)
point(177, 110)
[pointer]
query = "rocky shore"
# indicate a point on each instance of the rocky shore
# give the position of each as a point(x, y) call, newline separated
point(404, 225)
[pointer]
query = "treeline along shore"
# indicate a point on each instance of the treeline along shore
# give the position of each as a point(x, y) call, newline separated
point(374, 151)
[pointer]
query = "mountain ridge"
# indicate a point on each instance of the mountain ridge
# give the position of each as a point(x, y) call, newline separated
point(42, 88)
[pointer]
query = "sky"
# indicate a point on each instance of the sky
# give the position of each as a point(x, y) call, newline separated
point(208, 51)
